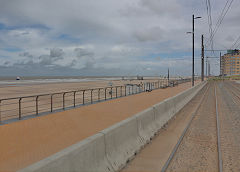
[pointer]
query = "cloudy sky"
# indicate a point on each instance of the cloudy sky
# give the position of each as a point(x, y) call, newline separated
point(108, 37)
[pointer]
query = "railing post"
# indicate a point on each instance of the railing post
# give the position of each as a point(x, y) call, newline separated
point(83, 96)
point(129, 90)
point(125, 90)
point(132, 89)
point(111, 93)
point(19, 108)
point(91, 96)
point(63, 101)
point(51, 102)
point(37, 105)
point(99, 94)
point(105, 93)
point(74, 98)
point(116, 92)
point(121, 91)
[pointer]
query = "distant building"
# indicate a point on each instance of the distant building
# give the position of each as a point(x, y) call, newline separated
point(230, 63)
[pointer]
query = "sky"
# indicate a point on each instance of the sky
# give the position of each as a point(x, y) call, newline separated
point(108, 37)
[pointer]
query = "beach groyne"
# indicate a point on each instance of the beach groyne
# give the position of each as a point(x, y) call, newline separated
point(112, 148)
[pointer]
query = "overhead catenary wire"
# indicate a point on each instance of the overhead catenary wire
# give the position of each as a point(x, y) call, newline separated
point(220, 20)
point(208, 6)
point(235, 43)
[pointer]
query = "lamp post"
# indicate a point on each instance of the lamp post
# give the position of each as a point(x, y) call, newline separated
point(193, 18)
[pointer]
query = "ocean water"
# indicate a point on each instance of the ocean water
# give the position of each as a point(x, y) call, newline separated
point(55, 79)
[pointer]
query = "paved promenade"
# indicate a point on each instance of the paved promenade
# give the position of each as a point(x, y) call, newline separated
point(28, 141)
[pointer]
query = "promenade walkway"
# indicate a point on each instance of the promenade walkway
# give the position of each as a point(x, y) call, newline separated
point(25, 142)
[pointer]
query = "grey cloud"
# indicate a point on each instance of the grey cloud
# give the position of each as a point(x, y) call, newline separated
point(162, 8)
point(85, 58)
point(26, 54)
point(80, 52)
point(144, 27)
point(152, 34)
point(55, 55)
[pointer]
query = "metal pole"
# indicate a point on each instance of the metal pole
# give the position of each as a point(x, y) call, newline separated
point(202, 60)
point(37, 105)
point(83, 96)
point(121, 91)
point(63, 101)
point(91, 97)
point(116, 92)
point(19, 108)
point(99, 94)
point(209, 69)
point(74, 98)
point(111, 93)
point(221, 73)
point(51, 102)
point(168, 77)
point(206, 67)
point(193, 50)
point(125, 90)
point(105, 93)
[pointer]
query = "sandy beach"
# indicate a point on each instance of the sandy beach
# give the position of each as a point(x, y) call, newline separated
point(7, 91)
point(34, 139)
point(51, 102)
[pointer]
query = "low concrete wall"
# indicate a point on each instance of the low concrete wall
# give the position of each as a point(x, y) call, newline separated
point(87, 156)
point(112, 148)
point(146, 124)
point(122, 142)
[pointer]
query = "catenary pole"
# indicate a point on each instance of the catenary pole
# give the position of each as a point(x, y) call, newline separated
point(202, 60)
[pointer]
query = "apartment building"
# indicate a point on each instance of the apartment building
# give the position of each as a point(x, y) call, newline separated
point(230, 63)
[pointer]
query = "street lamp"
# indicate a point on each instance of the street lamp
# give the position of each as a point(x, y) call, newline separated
point(193, 18)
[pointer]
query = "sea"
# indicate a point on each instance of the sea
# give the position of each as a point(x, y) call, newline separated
point(31, 80)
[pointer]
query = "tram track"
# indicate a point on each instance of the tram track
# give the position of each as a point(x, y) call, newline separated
point(208, 139)
point(173, 163)
point(229, 108)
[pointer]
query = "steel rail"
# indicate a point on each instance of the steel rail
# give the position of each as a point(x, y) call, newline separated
point(184, 132)
point(233, 92)
point(220, 166)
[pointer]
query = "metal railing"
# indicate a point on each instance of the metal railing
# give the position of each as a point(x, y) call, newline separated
point(34, 105)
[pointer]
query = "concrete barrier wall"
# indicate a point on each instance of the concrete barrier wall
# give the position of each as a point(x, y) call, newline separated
point(112, 148)
point(122, 142)
point(86, 156)
point(146, 124)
